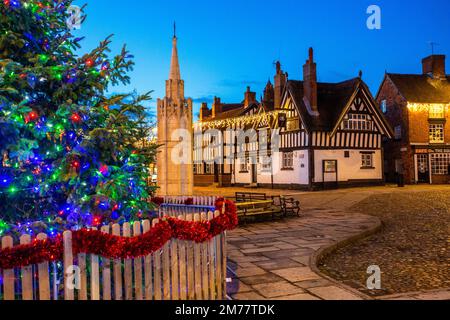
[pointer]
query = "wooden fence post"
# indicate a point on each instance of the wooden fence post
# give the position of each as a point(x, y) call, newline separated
point(219, 277)
point(44, 277)
point(137, 265)
point(8, 275)
point(128, 272)
point(197, 265)
point(68, 264)
point(157, 271)
point(27, 274)
point(175, 262)
point(106, 272)
point(204, 252)
point(95, 276)
point(190, 265)
point(117, 266)
point(211, 260)
point(183, 269)
point(82, 293)
point(148, 269)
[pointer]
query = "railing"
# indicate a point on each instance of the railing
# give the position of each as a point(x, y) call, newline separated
point(176, 206)
point(179, 270)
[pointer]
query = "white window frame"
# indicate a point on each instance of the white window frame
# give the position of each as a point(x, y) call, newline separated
point(266, 164)
point(436, 132)
point(440, 163)
point(359, 122)
point(287, 160)
point(367, 160)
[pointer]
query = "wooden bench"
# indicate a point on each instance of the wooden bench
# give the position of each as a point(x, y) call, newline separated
point(256, 204)
point(249, 197)
point(290, 206)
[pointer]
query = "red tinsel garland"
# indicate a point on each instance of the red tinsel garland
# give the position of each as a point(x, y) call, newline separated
point(115, 247)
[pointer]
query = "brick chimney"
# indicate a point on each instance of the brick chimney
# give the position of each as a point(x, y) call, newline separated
point(434, 66)
point(204, 111)
point(280, 84)
point(216, 107)
point(269, 92)
point(310, 84)
point(249, 97)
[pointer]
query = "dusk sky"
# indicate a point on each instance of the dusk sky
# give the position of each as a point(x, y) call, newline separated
point(226, 45)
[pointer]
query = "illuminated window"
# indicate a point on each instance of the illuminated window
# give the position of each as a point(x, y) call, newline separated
point(384, 106)
point(293, 124)
point(361, 122)
point(367, 160)
point(440, 163)
point(436, 133)
point(288, 160)
point(437, 112)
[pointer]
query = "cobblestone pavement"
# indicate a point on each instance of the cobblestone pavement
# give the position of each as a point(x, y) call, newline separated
point(412, 250)
point(271, 260)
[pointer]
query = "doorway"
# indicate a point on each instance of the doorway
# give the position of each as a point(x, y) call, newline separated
point(254, 173)
point(423, 168)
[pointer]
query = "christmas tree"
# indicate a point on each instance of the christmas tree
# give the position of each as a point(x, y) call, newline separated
point(72, 155)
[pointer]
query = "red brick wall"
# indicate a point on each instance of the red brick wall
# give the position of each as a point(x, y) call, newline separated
point(397, 114)
point(415, 129)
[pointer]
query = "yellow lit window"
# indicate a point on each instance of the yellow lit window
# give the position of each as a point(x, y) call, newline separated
point(436, 133)
point(437, 112)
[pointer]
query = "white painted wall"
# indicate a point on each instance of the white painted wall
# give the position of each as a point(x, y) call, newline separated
point(348, 168)
point(244, 177)
point(300, 173)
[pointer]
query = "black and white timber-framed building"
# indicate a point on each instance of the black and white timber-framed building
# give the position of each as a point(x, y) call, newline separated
point(301, 135)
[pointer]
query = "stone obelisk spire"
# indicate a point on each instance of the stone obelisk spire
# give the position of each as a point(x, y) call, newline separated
point(174, 163)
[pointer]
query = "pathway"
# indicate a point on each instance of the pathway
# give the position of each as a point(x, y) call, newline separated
point(275, 260)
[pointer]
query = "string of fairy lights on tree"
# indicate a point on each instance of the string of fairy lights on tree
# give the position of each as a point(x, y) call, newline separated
point(68, 150)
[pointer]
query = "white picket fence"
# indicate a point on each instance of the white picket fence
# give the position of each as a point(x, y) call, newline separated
point(197, 200)
point(181, 270)
point(175, 206)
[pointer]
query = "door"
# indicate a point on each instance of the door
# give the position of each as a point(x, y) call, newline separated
point(254, 173)
point(423, 168)
point(216, 173)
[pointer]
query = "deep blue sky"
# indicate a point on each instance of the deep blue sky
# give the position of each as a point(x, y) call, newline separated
point(226, 45)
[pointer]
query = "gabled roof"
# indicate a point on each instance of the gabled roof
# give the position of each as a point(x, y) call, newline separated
point(422, 88)
point(332, 98)
point(333, 101)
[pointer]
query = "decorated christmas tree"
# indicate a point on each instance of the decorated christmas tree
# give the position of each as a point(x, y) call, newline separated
point(72, 155)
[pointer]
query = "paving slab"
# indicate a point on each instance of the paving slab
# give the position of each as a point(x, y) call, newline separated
point(333, 293)
point(276, 289)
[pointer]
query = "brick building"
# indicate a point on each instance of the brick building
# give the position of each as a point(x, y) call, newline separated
point(417, 107)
